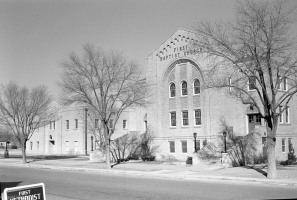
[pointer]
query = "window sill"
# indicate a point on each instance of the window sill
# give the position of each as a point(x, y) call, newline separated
point(171, 97)
point(183, 96)
point(197, 126)
point(172, 127)
point(285, 124)
point(185, 127)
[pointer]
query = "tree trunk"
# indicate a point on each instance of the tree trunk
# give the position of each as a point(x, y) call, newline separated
point(107, 145)
point(24, 152)
point(271, 141)
point(107, 156)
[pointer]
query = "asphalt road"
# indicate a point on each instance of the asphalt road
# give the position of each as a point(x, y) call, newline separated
point(62, 185)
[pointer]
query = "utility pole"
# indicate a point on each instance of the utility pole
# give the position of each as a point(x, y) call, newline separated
point(86, 130)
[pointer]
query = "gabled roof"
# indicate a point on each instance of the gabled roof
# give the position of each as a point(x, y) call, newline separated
point(175, 38)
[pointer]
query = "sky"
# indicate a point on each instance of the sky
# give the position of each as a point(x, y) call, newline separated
point(36, 36)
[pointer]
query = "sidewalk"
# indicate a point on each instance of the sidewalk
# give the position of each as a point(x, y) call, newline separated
point(176, 170)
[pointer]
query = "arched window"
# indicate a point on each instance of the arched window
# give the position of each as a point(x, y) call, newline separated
point(172, 90)
point(184, 88)
point(196, 86)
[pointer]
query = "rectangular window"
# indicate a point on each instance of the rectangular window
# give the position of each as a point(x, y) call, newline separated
point(287, 118)
point(251, 118)
point(185, 118)
point(281, 115)
point(76, 123)
point(198, 145)
point(124, 124)
point(285, 83)
point(184, 146)
point(198, 117)
point(54, 124)
point(252, 82)
point(31, 145)
point(289, 143)
point(173, 119)
point(230, 84)
point(37, 145)
point(50, 125)
point(283, 145)
point(96, 123)
point(172, 147)
point(67, 124)
point(258, 118)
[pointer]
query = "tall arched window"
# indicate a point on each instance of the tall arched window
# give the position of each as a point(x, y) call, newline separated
point(196, 86)
point(184, 88)
point(172, 90)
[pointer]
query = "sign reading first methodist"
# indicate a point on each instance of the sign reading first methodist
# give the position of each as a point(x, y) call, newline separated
point(27, 192)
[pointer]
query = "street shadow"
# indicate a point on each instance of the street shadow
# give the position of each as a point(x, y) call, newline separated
point(258, 169)
point(4, 185)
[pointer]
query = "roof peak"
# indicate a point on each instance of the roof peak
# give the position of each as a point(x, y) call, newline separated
point(168, 38)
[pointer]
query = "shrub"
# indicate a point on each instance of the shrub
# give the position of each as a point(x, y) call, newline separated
point(168, 158)
point(291, 156)
point(133, 157)
point(189, 160)
point(148, 157)
point(259, 159)
point(204, 142)
point(14, 147)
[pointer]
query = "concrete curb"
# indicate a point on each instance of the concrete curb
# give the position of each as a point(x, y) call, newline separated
point(192, 177)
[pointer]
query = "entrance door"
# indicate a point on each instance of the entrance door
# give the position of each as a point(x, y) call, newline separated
point(51, 147)
point(75, 147)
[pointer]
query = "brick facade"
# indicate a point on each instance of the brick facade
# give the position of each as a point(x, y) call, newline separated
point(171, 63)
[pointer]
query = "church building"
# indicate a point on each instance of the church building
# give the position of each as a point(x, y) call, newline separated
point(181, 108)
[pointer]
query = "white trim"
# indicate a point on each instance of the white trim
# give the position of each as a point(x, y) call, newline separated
point(195, 109)
point(248, 85)
point(181, 142)
point(173, 146)
point(283, 145)
point(170, 90)
point(287, 109)
point(194, 87)
point(182, 118)
point(170, 119)
point(181, 88)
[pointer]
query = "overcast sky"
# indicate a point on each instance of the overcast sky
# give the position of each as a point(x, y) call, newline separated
point(35, 36)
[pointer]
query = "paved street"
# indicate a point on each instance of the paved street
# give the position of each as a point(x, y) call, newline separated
point(82, 185)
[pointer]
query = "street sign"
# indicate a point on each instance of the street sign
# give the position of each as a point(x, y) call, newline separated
point(26, 192)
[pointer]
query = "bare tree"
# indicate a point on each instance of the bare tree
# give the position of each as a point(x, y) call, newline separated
point(104, 81)
point(23, 111)
point(255, 56)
